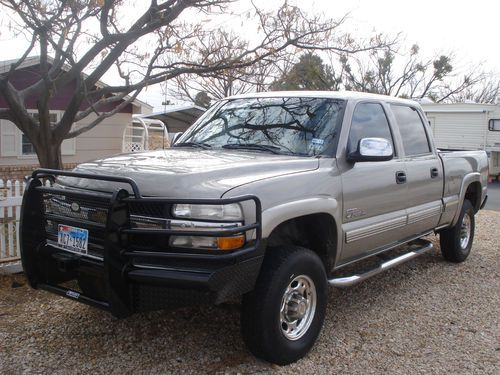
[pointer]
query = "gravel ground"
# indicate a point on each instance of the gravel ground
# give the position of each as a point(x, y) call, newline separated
point(424, 317)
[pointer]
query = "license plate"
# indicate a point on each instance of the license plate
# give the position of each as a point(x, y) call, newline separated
point(73, 238)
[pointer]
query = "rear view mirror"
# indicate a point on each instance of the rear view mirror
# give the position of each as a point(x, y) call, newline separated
point(372, 149)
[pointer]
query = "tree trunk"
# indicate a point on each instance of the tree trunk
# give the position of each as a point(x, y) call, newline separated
point(49, 156)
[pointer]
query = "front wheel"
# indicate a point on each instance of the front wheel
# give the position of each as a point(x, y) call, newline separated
point(456, 242)
point(282, 317)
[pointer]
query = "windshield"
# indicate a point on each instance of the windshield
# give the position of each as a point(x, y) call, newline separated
point(291, 125)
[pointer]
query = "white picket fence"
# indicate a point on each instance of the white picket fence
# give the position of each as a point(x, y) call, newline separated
point(11, 195)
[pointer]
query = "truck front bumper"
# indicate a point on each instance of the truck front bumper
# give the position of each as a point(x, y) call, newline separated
point(127, 269)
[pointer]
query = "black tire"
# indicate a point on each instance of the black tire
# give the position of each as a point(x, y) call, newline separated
point(456, 242)
point(283, 270)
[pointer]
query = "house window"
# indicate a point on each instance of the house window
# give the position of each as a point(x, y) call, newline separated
point(13, 143)
point(27, 148)
point(494, 125)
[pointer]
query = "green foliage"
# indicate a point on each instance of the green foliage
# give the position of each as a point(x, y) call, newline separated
point(202, 99)
point(442, 67)
point(309, 73)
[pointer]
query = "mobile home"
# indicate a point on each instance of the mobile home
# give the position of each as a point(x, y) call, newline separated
point(467, 126)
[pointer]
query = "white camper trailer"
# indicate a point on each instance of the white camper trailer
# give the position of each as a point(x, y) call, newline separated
point(467, 126)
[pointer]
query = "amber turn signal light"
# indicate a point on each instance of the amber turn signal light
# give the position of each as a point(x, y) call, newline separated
point(230, 243)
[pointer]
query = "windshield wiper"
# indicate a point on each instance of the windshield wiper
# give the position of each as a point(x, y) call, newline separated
point(192, 144)
point(254, 146)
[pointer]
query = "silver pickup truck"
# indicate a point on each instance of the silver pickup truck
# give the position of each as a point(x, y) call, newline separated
point(266, 197)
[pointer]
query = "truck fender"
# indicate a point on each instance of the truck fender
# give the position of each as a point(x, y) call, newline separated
point(467, 180)
point(274, 216)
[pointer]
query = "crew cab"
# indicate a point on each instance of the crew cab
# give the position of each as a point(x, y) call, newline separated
point(267, 197)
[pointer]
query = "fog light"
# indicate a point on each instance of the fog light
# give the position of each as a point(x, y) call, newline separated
point(194, 242)
point(210, 243)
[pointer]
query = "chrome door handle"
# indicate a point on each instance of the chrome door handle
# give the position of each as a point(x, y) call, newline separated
point(400, 177)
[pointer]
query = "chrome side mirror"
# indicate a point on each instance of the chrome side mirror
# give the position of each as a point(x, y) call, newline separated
point(372, 149)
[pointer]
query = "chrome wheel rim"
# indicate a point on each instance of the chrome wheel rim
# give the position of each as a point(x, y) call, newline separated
point(298, 306)
point(465, 231)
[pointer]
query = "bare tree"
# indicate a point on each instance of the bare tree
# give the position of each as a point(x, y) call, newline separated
point(233, 81)
point(224, 45)
point(261, 75)
point(405, 74)
point(149, 44)
point(484, 90)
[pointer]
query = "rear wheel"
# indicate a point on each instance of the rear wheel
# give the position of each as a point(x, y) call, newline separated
point(456, 242)
point(282, 317)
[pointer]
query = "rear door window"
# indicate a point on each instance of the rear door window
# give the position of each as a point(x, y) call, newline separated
point(411, 128)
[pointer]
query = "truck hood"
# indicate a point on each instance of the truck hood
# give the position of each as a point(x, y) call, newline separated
point(189, 173)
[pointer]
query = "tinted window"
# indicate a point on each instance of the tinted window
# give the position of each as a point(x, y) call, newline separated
point(368, 121)
point(412, 130)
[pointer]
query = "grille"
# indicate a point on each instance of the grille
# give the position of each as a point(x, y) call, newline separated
point(149, 209)
point(80, 209)
point(87, 213)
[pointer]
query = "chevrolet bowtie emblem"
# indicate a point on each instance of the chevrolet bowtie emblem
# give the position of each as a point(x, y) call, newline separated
point(75, 207)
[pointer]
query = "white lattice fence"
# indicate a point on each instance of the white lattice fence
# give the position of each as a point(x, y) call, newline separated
point(11, 195)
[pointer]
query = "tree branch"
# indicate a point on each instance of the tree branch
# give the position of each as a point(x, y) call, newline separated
point(102, 117)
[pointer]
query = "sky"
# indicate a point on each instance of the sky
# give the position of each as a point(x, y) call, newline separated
point(468, 29)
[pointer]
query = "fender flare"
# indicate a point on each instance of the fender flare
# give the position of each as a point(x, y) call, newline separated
point(467, 180)
point(274, 216)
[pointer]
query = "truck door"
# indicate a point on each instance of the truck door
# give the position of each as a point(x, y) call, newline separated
point(424, 170)
point(374, 193)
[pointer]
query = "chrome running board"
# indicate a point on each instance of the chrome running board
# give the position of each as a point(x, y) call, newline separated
point(344, 282)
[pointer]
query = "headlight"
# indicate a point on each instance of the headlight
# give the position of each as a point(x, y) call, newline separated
point(229, 212)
